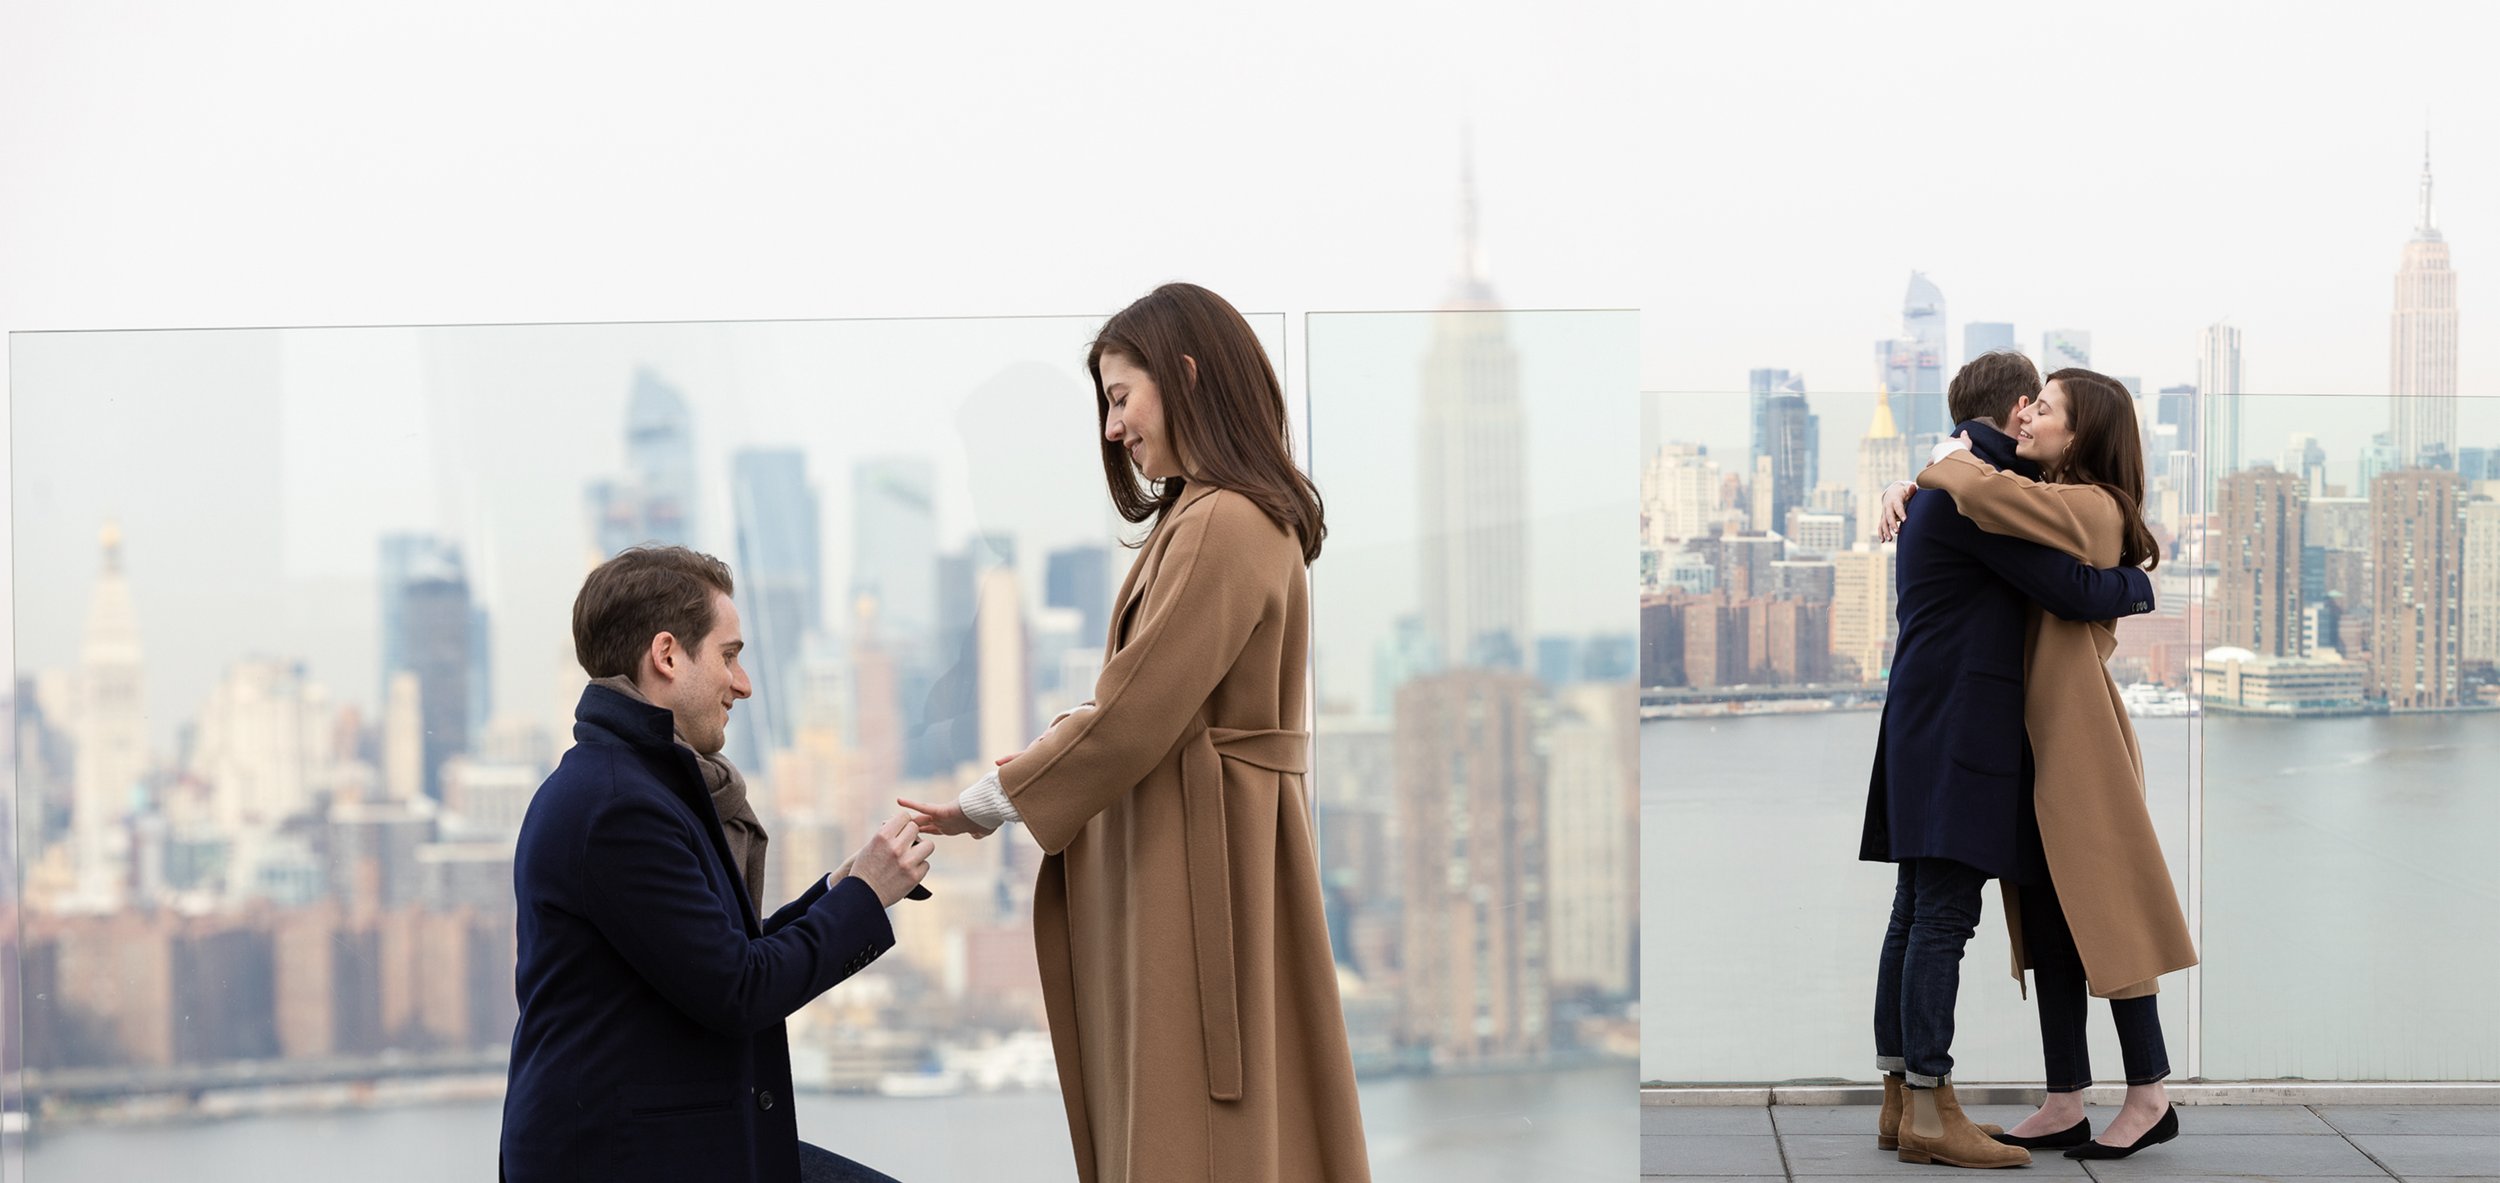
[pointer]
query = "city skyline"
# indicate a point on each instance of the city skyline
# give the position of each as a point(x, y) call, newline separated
point(317, 554)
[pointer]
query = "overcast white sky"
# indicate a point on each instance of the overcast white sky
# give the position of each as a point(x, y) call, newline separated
point(2138, 170)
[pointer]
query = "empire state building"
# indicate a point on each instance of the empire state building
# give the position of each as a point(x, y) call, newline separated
point(1471, 471)
point(112, 734)
point(2422, 346)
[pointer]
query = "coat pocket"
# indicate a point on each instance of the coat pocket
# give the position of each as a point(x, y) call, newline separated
point(1987, 723)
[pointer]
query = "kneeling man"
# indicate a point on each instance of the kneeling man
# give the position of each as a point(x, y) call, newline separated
point(650, 1043)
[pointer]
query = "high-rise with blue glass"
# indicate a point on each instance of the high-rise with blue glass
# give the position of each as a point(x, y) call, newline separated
point(781, 588)
point(1911, 366)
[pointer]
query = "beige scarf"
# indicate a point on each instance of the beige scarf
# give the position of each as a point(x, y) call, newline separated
point(729, 799)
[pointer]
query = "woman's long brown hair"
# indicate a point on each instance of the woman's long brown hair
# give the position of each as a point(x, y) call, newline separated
point(1229, 419)
point(2107, 451)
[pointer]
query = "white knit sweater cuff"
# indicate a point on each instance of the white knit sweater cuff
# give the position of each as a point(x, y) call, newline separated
point(986, 805)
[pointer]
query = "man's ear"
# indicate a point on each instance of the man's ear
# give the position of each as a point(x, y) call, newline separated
point(666, 655)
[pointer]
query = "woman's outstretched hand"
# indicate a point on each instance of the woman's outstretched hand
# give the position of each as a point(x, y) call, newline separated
point(1896, 509)
point(941, 819)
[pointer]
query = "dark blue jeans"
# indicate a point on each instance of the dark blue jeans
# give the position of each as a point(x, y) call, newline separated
point(819, 1165)
point(1935, 909)
point(2065, 1003)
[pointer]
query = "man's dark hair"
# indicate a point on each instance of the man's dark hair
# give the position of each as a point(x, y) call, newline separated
point(1991, 385)
point(643, 592)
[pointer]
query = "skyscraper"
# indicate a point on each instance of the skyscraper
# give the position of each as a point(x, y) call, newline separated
point(1883, 457)
point(436, 612)
point(1079, 578)
point(1471, 487)
point(406, 558)
point(894, 546)
point(1912, 364)
point(2218, 380)
point(654, 502)
point(1862, 625)
point(1473, 937)
point(262, 744)
point(1592, 847)
point(2417, 598)
point(2258, 604)
point(781, 589)
point(1761, 387)
point(2062, 349)
point(1985, 336)
point(1006, 691)
point(2422, 345)
point(112, 730)
point(1680, 497)
point(2481, 617)
point(2178, 406)
point(2306, 459)
point(1789, 446)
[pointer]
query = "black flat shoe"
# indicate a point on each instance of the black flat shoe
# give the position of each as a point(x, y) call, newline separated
point(2074, 1135)
point(2162, 1131)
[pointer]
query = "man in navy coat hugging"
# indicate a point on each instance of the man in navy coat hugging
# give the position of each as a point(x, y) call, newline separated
point(1950, 798)
point(650, 1043)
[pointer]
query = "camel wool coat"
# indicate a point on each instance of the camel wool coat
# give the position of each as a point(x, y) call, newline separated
point(1184, 954)
point(2089, 788)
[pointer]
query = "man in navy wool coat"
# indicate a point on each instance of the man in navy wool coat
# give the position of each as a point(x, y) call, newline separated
point(1950, 798)
point(650, 1044)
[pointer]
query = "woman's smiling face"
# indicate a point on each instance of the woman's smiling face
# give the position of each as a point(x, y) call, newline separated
point(2043, 431)
point(1133, 418)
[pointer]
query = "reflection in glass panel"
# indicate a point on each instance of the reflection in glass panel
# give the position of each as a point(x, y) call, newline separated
point(294, 653)
point(2351, 719)
point(1767, 629)
point(1475, 765)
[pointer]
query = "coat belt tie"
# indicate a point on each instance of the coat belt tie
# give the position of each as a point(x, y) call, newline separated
point(1208, 857)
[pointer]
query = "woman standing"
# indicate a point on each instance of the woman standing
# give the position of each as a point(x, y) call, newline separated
point(2108, 923)
point(1184, 955)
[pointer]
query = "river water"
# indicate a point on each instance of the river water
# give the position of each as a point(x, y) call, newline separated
point(1575, 1124)
point(2350, 925)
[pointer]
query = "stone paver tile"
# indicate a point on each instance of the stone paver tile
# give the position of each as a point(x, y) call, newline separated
point(1824, 1156)
point(1710, 1154)
point(1827, 1119)
point(2357, 1120)
point(1860, 1119)
point(1708, 1119)
point(2192, 1154)
point(2238, 1119)
point(2211, 1178)
point(2417, 1156)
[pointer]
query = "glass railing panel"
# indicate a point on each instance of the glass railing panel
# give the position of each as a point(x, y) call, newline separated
point(293, 652)
point(2350, 720)
point(1475, 766)
point(1767, 634)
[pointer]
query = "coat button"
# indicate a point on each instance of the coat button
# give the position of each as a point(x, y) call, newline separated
point(764, 1099)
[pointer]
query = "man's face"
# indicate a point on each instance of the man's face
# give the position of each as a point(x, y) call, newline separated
point(706, 679)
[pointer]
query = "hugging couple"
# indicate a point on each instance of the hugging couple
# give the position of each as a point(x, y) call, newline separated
point(2005, 753)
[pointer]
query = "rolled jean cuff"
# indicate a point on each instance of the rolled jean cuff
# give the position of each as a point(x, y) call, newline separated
point(2155, 1078)
point(1891, 1065)
point(1920, 1080)
point(2069, 1088)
